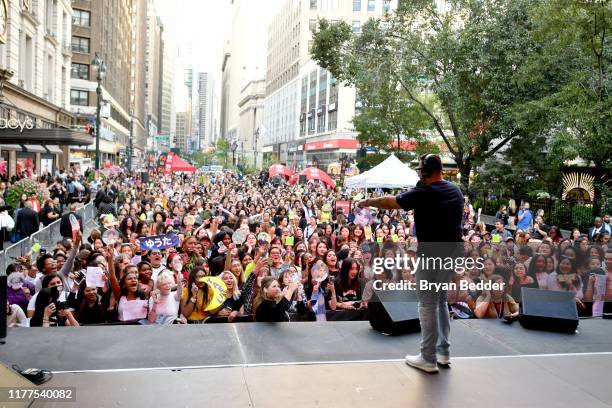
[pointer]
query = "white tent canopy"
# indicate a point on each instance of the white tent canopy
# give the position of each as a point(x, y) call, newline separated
point(391, 173)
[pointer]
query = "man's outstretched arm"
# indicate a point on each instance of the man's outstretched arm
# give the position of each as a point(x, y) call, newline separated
point(388, 202)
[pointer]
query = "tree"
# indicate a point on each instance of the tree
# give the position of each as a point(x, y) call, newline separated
point(577, 38)
point(222, 150)
point(462, 68)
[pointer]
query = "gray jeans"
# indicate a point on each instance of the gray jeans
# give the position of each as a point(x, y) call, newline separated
point(434, 317)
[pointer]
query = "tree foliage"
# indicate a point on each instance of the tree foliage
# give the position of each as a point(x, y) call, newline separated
point(462, 69)
point(577, 52)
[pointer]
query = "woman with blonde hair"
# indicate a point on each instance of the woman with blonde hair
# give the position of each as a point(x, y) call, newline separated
point(270, 304)
point(234, 299)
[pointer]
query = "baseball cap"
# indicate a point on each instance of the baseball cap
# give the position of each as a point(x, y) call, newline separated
point(430, 162)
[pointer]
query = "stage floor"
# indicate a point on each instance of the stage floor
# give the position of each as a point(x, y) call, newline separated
point(329, 364)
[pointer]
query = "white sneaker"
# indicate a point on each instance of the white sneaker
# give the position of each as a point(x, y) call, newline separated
point(443, 360)
point(418, 362)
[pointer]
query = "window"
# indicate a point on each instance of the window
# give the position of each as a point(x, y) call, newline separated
point(79, 71)
point(79, 98)
point(312, 25)
point(356, 5)
point(371, 5)
point(386, 6)
point(313, 4)
point(80, 45)
point(356, 26)
point(81, 18)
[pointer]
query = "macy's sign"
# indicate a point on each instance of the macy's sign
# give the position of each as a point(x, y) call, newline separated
point(15, 124)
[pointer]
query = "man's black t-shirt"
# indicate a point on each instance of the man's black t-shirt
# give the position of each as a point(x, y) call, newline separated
point(437, 211)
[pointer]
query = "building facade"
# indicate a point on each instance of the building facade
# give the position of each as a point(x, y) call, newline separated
point(166, 115)
point(206, 86)
point(308, 113)
point(35, 54)
point(244, 59)
point(138, 81)
point(180, 135)
point(251, 107)
point(103, 28)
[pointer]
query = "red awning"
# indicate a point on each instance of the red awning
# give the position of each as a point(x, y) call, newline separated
point(179, 164)
point(279, 170)
point(313, 173)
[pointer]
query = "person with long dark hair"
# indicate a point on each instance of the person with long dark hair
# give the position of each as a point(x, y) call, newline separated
point(520, 279)
point(348, 286)
point(88, 305)
point(537, 269)
point(50, 312)
point(131, 300)
point(195, 297)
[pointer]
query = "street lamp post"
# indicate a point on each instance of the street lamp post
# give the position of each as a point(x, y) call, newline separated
point(255, 139)
point(131, 147)
point(100, 66)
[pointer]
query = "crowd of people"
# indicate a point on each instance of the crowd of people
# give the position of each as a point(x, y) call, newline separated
point(244, 248)
point(62, 190)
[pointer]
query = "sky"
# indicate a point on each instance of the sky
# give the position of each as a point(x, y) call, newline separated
point(202, 22)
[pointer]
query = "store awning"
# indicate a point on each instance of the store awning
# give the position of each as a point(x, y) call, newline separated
point(11, 147)
point(57, 136)
point(35, 149)
point(54, 149)
point(49, 149)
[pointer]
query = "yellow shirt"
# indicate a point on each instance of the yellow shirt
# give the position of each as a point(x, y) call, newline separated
point(198, 311)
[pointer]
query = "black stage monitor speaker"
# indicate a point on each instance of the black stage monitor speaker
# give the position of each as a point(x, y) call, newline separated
point(3, 296)
point(302, 179)
point(548, 310)
point(394, 312)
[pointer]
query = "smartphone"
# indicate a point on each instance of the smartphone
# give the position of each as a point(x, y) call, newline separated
point(269, 261)
point(295, 277)
point(79, 277)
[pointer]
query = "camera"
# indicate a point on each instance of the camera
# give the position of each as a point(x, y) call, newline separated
point(60, 305)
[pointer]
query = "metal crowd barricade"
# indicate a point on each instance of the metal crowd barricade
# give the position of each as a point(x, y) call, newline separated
point(46, 237)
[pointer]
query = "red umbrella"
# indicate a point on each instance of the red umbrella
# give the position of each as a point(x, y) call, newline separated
point(279, 170)
point(313, 173)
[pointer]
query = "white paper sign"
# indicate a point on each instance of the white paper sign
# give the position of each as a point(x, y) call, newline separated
point(134, 309)
point(93, 278)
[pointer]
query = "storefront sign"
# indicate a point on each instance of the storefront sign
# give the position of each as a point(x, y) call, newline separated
point(332, 144)
point(17, 124)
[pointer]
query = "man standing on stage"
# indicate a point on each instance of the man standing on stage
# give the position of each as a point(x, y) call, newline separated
point(437, 206)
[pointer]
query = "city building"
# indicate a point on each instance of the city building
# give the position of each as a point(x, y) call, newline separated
point(35, 120)
point(166, 114)
point(308, 114)
point(244, 59)
point(153, 68)
point(180, 134)
point(184, 100)
point(103, 28)
point(251, 107)
point(206, 86)
point(138, 81)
